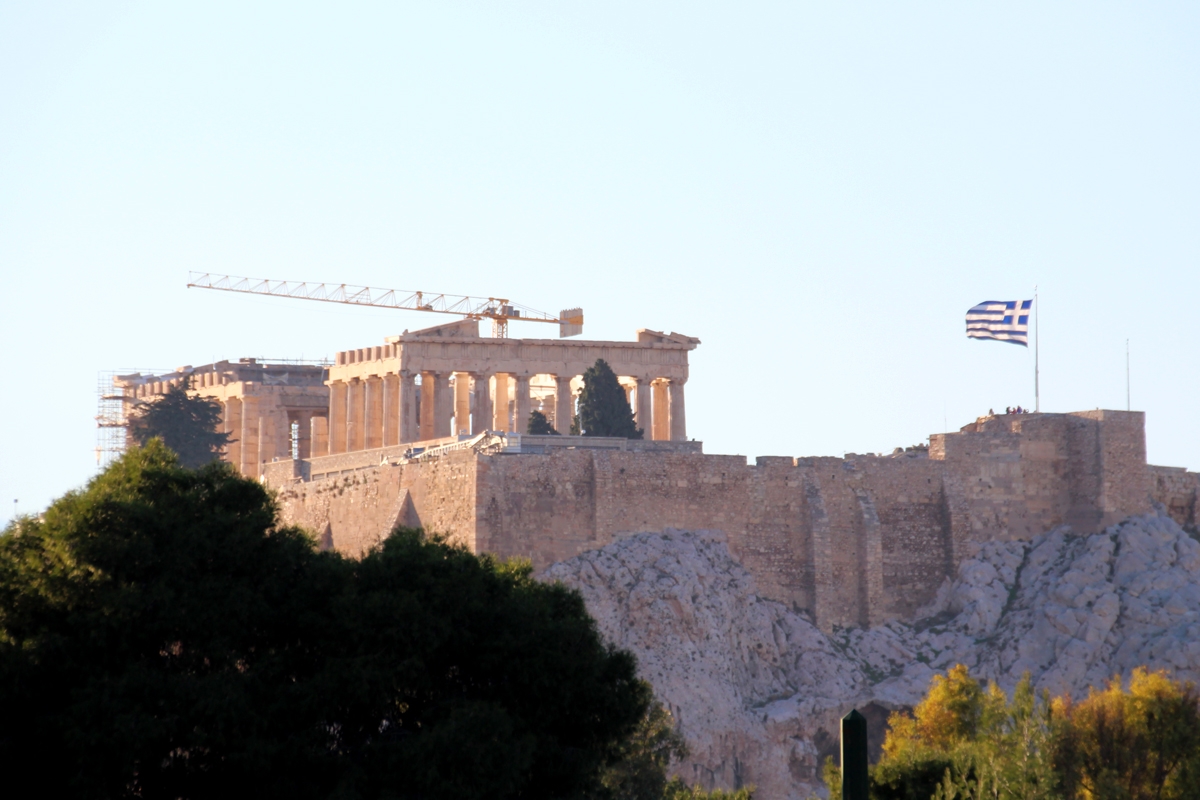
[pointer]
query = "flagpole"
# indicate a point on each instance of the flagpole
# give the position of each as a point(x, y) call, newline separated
point(1037, 331)
point(1128, 407)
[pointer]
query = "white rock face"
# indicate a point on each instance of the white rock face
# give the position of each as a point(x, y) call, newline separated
point(758, 689)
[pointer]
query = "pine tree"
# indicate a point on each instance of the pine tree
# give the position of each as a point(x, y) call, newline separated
point(603, 406)
point(163, 634)
point(187, 425)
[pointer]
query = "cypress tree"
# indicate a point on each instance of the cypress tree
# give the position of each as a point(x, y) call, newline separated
point(603, 406)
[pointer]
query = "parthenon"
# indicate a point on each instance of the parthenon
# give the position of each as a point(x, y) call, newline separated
point(427, 385)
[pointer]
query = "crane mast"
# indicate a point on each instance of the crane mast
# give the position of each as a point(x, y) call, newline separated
point(499, 310)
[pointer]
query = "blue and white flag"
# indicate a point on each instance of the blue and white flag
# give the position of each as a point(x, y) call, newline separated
point(1004, 321)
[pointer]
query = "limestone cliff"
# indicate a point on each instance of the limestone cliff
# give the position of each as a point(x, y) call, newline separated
point(758, 689)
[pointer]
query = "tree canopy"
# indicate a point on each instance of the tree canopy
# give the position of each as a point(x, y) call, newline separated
point(539, 425)
point(162, 635)
point(968, 742)
point(603, 405)
point(188, 425)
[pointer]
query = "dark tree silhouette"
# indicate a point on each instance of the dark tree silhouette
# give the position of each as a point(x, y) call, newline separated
point(539, 425)
point(187, 425)
point(162, 635)
point(603, 406)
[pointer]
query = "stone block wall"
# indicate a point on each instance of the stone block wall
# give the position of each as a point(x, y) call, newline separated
point(1178, 491)
point(852, 541)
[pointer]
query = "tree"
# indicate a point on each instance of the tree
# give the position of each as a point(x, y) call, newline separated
point(188, 425)
point(539, 425)
point(965, 742)
point(639, 771)
point(161, 635)
point(678, 790)
point(1140, 744)
point(603, 406)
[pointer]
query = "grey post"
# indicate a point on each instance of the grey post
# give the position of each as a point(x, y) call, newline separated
point(854, 756)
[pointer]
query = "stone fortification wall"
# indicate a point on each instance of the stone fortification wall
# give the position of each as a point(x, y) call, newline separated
point(1178, 491)
point(352, 512)
point(853, 541)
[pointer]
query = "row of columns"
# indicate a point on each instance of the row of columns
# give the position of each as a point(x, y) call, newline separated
point(260, 432)
point(383, 410)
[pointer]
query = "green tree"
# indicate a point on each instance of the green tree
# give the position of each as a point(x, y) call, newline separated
point(187, 425)
point(603, 406)
point(161, 635)
point(539, 425)
point(639, 767)
point(678, 790)
point(964, 741)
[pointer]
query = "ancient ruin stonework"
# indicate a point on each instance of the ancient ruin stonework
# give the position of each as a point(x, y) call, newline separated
point(423, 387)
point(852, 541)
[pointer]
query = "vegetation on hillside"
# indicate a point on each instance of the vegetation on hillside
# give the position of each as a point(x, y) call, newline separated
point(964, 741)
point(603, 405)
point(190, 426)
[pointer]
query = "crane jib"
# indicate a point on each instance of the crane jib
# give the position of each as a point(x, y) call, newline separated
point(499, 310)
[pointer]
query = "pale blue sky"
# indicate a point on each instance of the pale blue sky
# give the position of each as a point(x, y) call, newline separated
point(817, 191)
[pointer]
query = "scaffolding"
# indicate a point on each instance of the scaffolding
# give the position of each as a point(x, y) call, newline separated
point(114, 399)
point(111, 419)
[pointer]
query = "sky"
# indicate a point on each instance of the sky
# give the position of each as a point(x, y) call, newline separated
point(818, 191)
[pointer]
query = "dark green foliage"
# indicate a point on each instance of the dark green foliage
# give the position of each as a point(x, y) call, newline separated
point(539, 425)
point(640, 769)
point(161, 636)
point(914, 778)
point(603, 406)
point(187, 425)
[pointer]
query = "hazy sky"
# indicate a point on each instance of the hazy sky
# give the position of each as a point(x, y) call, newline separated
point(817, 191)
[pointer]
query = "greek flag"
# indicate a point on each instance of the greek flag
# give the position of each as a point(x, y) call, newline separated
point(1004, 321)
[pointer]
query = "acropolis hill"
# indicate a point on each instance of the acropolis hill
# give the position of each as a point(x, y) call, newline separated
point(363, 445)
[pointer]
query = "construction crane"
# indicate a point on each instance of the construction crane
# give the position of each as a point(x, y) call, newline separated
point(499, 310)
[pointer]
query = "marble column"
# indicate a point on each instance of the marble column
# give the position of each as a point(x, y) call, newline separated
point(373, 413)
point(521, 404)
point(500, 403)
point(233, 426)
point(391, 410)
point(320, 436)
point(250, 415)
point(564, 404)
point(462, 403)
point(426, 407)
point(268, 435)
point(662, 415)
point(678, 417)
point(642, 413)
point(355, 408)
point(337, 417)
point(482, 418)
point(409, 425)
point(443, 408)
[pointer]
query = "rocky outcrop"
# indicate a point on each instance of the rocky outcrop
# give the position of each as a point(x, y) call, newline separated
point(758, 689)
